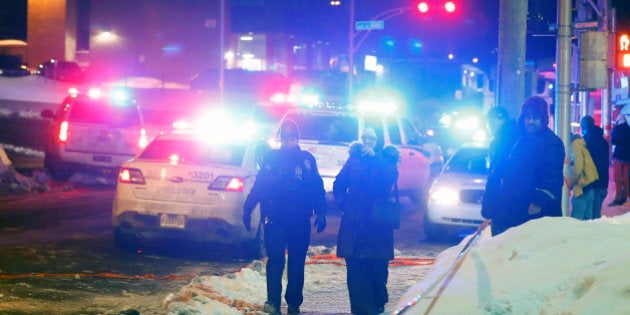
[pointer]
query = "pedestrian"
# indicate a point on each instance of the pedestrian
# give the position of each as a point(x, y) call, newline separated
point(580, 174)
point(366, 245)
point(599, 149)
point(532, 180)
point(620, 139)
point(504, 134)
point(289, 189)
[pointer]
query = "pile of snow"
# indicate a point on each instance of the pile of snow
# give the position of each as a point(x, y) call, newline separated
point(12, 182)
point(546, 266)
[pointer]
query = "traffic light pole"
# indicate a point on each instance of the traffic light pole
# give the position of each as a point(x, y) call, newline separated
point(351, 53)
point(385, 15)
point(563, 84)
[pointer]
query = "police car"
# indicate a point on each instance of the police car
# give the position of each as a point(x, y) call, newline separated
point(190, 183)
point(327, 132)
point(454, 205)
point(96, 130)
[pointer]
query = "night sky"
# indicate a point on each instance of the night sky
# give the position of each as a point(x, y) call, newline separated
point(13, 23)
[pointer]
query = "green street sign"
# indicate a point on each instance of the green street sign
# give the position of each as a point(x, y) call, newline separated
point(369, 25)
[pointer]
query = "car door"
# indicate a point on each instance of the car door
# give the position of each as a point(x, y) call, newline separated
point(414, 165)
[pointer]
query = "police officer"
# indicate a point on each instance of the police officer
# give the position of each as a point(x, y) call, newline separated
point(288, 188)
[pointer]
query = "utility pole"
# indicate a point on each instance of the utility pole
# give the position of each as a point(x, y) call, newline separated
point(511, 59)
point(351, 52)
point(563, 85)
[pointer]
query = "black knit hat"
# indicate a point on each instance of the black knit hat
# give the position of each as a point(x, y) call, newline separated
point(289, 129)
point(536, 106)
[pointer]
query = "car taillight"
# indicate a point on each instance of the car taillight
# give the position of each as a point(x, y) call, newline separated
point(63, 131)
point(130, 176)
point(142, 143)
point(228, 183)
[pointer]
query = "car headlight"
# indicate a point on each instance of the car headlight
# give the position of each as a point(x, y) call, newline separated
point(444, 196)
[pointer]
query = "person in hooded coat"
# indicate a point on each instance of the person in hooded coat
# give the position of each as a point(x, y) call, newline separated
point(620, 139)
point(504, 134)
point(599, 148)
point(583, 173)
point(531, 184)
point(366, 245)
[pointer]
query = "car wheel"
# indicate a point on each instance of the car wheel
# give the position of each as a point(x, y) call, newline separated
point(125, 240)
point(256, 248)
point(56, 169)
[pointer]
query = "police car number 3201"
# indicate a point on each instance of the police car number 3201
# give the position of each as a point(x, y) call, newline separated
point(200, 176)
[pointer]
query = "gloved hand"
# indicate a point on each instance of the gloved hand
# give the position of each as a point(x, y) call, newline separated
point(247, 220)
point(320, 223)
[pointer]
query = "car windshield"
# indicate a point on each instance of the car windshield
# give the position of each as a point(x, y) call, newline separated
point(469, 161)
point(104, 112)
point(326, 128)
point(195, 152)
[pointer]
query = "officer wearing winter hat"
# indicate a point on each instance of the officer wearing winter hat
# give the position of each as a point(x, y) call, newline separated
point(290, 190)
point(532, 179)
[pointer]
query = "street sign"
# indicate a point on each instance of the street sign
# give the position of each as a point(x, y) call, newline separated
point(369, 25)
point(586, 25)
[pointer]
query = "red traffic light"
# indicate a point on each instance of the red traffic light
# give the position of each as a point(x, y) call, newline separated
point(423, 7)
point(449, 7)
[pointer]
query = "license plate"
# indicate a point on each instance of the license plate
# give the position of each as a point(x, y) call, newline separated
point(102, 158)
point(175, 190)
point(173, 221)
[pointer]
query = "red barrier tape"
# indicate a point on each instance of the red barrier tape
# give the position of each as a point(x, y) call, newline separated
point(332, 259)
point(100, 275)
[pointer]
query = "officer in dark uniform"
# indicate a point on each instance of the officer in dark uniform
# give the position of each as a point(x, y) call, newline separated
point(289, 189)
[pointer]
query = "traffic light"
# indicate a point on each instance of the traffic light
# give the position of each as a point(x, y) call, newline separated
point(425, 7)
point(623, 51)
point(449, 7)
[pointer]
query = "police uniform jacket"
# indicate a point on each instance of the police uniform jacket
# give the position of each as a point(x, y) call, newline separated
point(288, 187)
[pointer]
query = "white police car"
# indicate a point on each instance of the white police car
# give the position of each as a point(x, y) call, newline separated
point(190, 184)
point(456, 194)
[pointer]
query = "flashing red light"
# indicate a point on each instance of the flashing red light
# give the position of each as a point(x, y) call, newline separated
point(449, 7)
point(423, 7)
point(63, 132)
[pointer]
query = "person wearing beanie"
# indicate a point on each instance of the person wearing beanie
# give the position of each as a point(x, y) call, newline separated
point(289, 189)
point(504, 134)
point(599, 149)
point(367, 244)
point(532, 180)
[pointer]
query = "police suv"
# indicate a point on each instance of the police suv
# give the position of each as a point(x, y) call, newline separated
point(95, 130)
point(327, 133)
